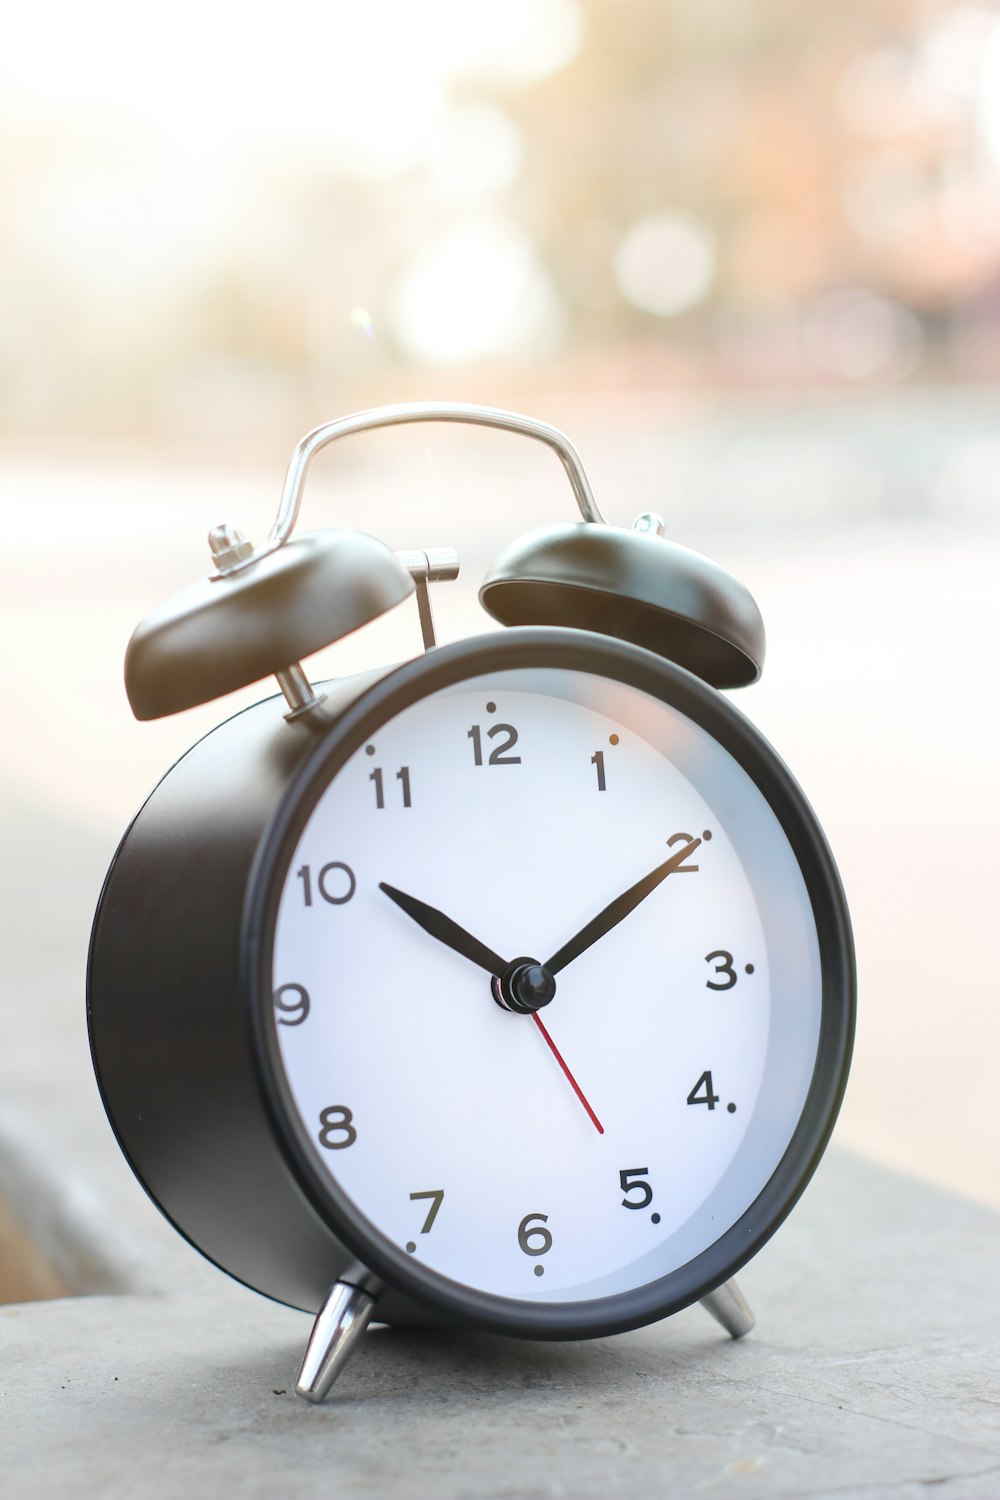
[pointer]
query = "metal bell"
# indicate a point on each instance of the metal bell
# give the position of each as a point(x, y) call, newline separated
point(260, 616)
point(637, 586)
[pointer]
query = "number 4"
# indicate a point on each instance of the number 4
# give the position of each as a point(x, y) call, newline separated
point(708, 1097)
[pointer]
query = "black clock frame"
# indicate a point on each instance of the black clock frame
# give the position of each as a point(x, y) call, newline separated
point(442, 1299)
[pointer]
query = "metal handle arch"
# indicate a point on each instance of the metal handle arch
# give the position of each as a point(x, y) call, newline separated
point(431, 411)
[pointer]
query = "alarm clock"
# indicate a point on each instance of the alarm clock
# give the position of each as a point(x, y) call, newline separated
point(509, 988)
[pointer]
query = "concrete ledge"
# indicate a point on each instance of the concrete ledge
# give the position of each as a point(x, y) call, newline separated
point(872, 1373)
point(57, 1236)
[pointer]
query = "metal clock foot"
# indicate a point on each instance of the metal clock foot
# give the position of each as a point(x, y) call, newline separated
point(341, 1321)
point(729, 1307)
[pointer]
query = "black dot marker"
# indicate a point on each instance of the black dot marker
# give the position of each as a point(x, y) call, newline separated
point(731, 1108)
point(655, 1218)
point(749, 968)
point(539, 1270)
point(410, 1247)
point(369, 749)
point(707, 834)
point(491, 708)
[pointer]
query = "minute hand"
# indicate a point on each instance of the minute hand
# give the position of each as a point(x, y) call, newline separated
point(617, 910)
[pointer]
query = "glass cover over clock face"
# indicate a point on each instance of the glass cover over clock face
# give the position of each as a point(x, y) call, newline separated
point(609, 1136)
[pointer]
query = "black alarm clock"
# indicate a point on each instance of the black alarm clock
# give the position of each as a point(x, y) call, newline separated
point(510, 988)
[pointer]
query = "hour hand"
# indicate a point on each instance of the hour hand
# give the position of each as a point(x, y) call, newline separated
point(446, 931)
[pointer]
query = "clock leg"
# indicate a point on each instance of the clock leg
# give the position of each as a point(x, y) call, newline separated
point(341, 1321)
point(729, 1307)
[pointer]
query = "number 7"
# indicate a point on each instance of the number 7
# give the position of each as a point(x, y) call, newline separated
point(438, 1196)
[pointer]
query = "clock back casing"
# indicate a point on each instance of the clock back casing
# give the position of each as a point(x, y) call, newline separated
point(170, 1027)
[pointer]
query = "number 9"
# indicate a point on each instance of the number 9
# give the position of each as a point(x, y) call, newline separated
point(295, 1011)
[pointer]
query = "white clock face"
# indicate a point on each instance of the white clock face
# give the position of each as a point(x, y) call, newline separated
point(614, 1134)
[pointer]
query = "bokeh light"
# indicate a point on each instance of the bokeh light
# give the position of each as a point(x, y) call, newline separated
point(857, 336)
point(188, 230)
point(474, 154)
point(664, 264)
point(482, 291)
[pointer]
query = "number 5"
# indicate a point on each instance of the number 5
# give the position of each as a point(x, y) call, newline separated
point(637, 1176)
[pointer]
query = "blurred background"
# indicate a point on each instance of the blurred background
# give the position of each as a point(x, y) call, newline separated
point(745, 252)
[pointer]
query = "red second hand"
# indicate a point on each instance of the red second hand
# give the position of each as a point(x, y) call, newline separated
point(578, 1091)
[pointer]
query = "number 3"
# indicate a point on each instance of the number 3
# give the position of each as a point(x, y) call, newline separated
point(725, 966)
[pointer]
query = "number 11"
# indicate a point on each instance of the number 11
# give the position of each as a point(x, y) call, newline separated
point(402, 776)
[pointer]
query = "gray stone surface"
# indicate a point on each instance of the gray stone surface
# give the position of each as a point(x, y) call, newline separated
point(872, 1373)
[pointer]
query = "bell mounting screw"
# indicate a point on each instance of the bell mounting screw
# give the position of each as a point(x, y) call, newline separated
point(230, 548)
point(650, 523)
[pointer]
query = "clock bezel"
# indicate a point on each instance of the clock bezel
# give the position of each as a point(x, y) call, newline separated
point(621, 661)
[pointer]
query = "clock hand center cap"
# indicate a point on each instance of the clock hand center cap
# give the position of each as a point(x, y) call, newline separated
point(524, 986)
